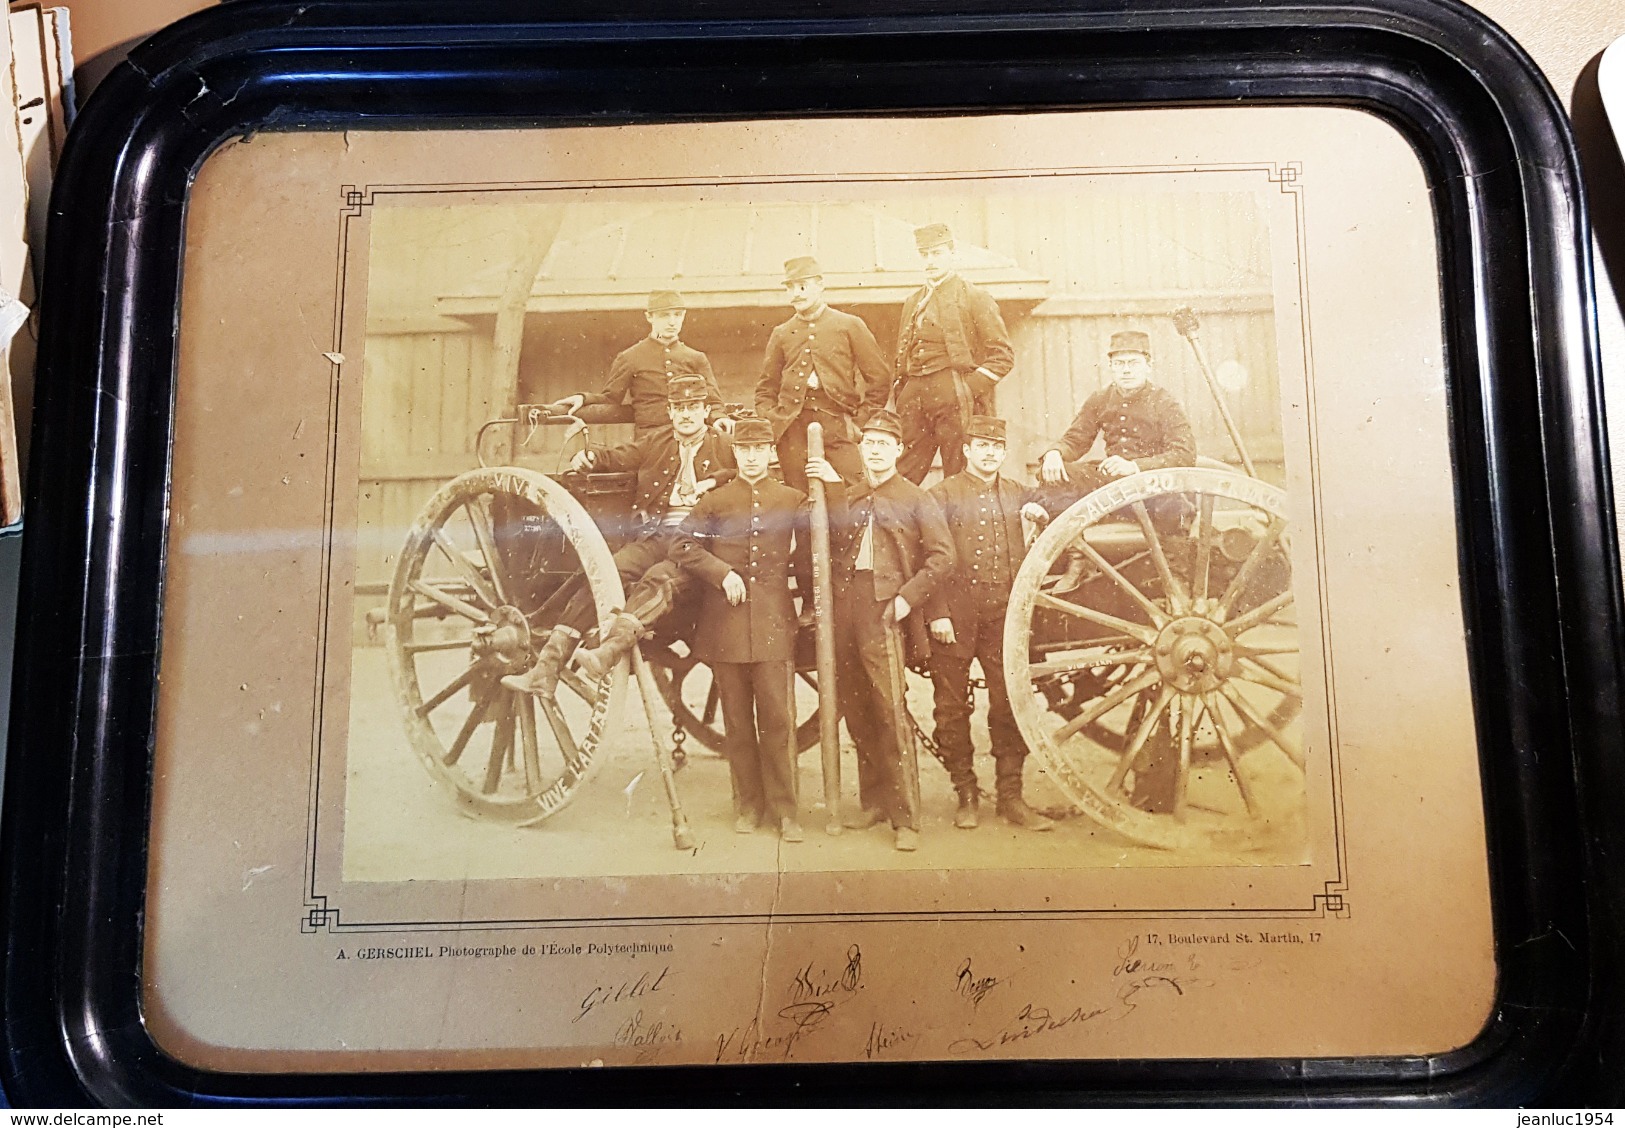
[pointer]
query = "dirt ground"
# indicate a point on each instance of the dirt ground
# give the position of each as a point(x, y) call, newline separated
point(403, 825)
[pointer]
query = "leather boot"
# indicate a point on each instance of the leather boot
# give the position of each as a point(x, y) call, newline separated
point(966, 817)
point(1077, 565)
point(1014, 810)
point(616, 644)
point(542, 679)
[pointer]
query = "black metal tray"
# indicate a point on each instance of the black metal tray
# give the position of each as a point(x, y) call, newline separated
point(1537, 542)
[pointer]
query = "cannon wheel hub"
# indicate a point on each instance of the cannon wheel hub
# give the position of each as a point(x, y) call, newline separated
point(1193, 654)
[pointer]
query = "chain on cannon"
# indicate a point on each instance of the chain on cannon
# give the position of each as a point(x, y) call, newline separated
point(929, 743)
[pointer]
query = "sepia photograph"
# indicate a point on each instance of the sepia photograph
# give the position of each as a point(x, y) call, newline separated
point(1028, 435)
point(820, 591)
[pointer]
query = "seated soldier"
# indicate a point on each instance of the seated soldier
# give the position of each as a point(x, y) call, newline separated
point(675, 468)
point(1143, 426)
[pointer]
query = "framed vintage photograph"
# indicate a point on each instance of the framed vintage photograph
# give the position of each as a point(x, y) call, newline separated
point(711, 588)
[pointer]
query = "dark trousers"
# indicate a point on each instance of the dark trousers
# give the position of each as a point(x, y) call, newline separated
point(839, 449)
point(979, 637)
point(1170, 513)
point(934, 410)
point(864, 689)
point(756, 726)
point(1085, 478)
point(652, 584)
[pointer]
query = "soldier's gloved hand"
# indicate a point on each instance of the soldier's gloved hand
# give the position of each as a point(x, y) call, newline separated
point(583, 461)
point(942, 630)
point(900, 608)
point(569, 405)
point(1035, 513)
point(733, 586)
point(1052, 469)
point(1118, 467)
point(821, 469)
point(723, 426)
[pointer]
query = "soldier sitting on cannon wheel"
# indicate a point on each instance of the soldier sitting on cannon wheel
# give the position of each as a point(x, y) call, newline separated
point(744, 541)
point(966, 616)
point(639, 375)
point(675, 469)
point(1143, 426)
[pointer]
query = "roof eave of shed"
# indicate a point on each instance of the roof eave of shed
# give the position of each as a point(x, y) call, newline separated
point(733, 293)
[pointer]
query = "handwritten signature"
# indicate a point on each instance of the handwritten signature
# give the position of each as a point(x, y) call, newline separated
point(752, 1041)
point(648, 1038)
point(972, 986)
point(819, 984)
point(883, 1038)
point(649, 983)
point(1137, 981)
point(1129, 962)
point(814, 994)
point(1031, 1021)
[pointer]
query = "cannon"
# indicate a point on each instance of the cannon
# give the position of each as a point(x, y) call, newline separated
point(1151, 649)
point(1159, 683)
point(465, 607)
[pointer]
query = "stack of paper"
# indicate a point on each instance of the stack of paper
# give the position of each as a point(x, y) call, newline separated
point(37, 77)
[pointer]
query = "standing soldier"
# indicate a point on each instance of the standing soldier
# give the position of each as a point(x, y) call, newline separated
point(890, 550)
point(675, 468)
point(640, 375)
point(952, 351)
point(1143, 426)
point(983, 510)
point(738, 543)
point(821, 365)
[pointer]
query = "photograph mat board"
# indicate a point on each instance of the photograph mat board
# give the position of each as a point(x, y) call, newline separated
point(274, 835)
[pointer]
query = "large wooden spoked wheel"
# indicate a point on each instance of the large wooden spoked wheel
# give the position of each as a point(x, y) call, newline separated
point(689, 691)
point(466, 608)
point(1152, 658)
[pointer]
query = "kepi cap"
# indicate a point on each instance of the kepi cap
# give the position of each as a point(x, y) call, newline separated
point(752, 431)
point(1130, 340)
point(932, 235)
point(800, 268)
point(661, 300)
point(989, 427)
point(885, 421)
point(686, 389)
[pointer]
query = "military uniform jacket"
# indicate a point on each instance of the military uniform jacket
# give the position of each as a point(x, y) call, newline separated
point(913, 551)
point(972, 326)
point(639, 376)
point(1148, 428)
point(656, 460)
point(760, 531)
point(852, 371)
point(966, 508)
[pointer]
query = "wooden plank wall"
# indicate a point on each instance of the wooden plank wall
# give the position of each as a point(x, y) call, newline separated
point(420, 411)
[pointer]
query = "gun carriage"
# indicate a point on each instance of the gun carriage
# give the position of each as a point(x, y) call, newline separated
point(1151, 633)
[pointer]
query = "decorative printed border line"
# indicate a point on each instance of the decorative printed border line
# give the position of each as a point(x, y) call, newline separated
point(318, 916)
